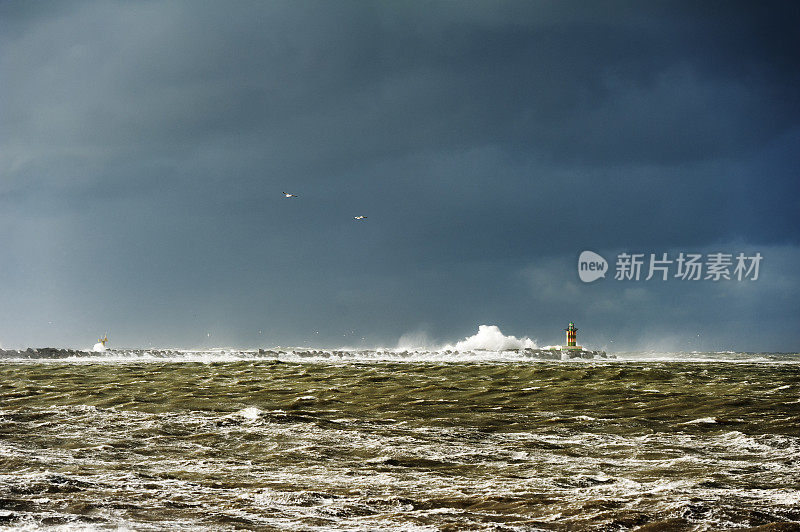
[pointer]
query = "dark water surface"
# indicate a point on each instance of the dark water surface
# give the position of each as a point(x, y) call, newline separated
point(493, 445)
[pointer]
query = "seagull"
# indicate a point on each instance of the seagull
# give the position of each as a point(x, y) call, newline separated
point(359, 217)
point(287, 195)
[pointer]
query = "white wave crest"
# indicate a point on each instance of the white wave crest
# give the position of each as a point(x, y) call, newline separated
point(490, 338)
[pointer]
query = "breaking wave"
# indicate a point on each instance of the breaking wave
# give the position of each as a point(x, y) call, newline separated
point(490, 338)
point(488, 344)
point(334, 356)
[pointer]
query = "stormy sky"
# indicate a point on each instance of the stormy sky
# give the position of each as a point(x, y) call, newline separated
point(144, 147)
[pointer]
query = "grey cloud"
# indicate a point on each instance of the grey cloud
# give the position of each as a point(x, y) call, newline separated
point(143, 145)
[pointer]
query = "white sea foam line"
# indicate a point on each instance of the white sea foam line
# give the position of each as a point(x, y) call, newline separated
point(309, 360)
point(701, 421)
point(387, 355)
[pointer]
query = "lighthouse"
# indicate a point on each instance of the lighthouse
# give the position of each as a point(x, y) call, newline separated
point(572, 336)
point(572, 350)
point(100, 346)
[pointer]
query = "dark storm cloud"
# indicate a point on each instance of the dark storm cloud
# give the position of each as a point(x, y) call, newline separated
point(618, 88)
point(145, 144)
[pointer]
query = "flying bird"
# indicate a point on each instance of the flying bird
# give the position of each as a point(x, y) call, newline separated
point(359, 217)
point(287, 195)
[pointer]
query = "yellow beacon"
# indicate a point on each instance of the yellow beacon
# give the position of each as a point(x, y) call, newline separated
point(572, 337)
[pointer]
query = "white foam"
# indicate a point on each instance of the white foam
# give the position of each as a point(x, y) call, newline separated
point(701, 421)
point(251, 412)
point(490, 338)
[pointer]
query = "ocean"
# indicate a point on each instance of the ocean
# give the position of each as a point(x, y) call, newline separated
point(388, 440)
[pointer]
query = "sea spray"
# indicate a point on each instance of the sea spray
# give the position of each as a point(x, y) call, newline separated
point(490, 338)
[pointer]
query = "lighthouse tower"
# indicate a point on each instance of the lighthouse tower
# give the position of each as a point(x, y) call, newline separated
point(100, 346)
point(572, 336)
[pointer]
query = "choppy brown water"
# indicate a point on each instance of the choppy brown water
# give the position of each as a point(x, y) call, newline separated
point(494, 445)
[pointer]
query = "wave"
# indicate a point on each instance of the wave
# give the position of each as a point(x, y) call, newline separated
point(282, 355)
point(488, 344)
point(300, 355)
point(490, 338)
